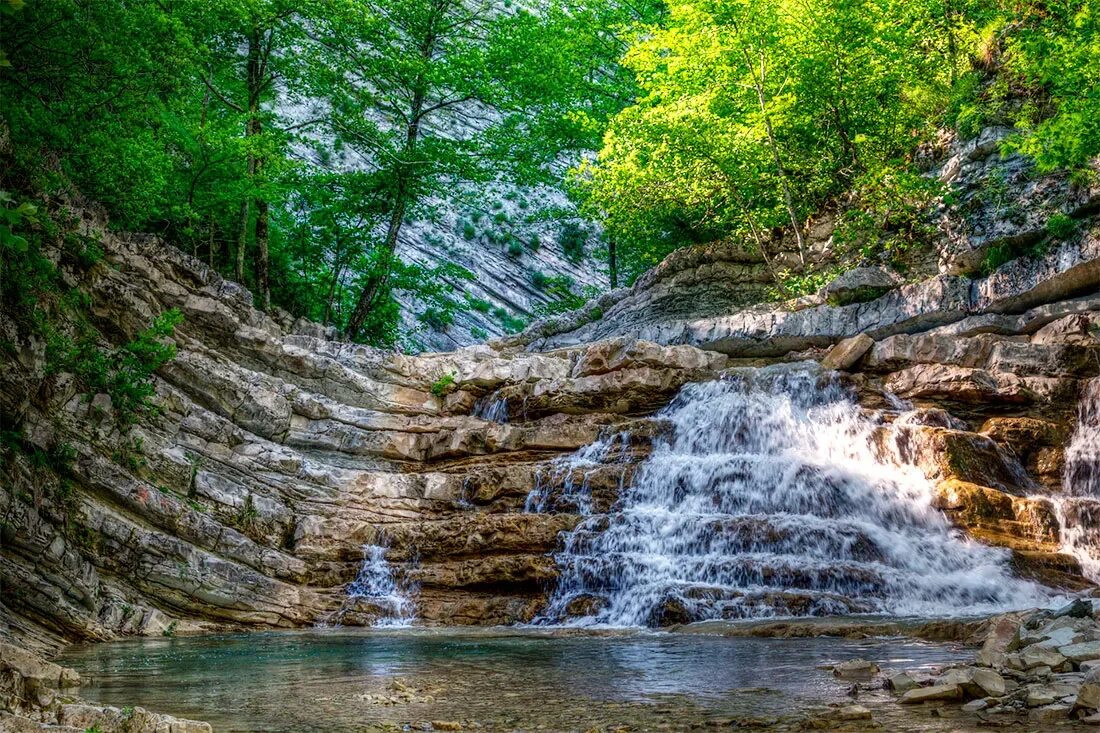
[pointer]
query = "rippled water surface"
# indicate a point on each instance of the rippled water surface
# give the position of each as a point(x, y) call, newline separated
point(351, 680)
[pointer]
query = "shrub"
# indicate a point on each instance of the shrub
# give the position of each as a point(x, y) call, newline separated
point(124, 374)
point(480, 305)
point(533, 243)
point(1061, 226)
point(573, 240)
point(443, 385)
point(515, 248)
point(539, 279)
point(479, 333)
point(468, 230)
point(437, 318)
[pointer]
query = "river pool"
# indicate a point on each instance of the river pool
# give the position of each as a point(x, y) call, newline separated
point(342, 680)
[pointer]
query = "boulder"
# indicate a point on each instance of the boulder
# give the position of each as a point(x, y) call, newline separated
point(1081, 652)
point(855, 669)
point(846, 353)
point(858, 286)
point(1088, 695)
point(902, 682)
point(1035, 656)
point(935, 693)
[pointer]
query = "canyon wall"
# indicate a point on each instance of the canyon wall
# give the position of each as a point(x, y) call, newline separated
point(278, 455)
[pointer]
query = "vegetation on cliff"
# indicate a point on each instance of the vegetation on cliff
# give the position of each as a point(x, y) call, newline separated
point(227, 127)
point(754, 117)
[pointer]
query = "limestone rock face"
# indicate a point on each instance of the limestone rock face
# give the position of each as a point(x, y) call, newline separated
point(859, 286)
point(277, 454)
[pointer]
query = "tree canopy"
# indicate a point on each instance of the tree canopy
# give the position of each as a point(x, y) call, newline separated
point(291, 144)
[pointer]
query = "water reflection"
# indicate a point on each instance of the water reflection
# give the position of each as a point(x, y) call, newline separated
point(341, 680)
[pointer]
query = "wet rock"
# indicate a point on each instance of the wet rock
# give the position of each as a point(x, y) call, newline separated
point(902, 682)
point(1078, 608)
point(935, 693)
point(853, 712)
point(585, 604)
point(855, 669)
point(671, 611)
point(1050, 713)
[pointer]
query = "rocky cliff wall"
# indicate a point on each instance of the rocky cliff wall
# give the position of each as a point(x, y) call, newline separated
point(278, 455)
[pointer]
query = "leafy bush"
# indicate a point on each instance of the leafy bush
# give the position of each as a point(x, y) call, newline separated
point(1061, 226)
point(534, 243)
point(469, 231)
point(573, 239)
point(438, 318)
point(515, 248)
point(443, 385)
point(125, 374)
point(480, 305)
point(539, 279)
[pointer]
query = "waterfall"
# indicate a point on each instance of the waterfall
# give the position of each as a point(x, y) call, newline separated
point(491, 408)
point(1079, 510)
point(375, 584)
point(774, 496)
point(576, 495)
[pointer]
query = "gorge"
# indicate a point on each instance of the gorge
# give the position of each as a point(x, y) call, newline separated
point(948, 469)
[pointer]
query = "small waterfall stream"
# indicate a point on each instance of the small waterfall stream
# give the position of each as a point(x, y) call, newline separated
point(774, 496)
point(1079, 510)
point(375, 583)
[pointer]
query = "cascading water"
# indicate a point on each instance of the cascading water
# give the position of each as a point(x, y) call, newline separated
point(375, 584)
point(1079, 510)
point(775, 496)
point(492, 408)
point(572, 474)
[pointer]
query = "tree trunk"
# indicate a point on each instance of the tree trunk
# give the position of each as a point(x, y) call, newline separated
point(263, 265)
point(375, 287)
point(242, 243)
point(612, 263)
point(255, 168)
point(758, 83)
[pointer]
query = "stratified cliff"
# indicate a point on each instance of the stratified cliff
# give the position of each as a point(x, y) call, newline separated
point(278, 455)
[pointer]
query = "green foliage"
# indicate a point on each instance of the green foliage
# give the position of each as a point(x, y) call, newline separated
point(712, 119)
point(124, 374)
point(573, 238)
point(480, 305)
point(479, 333)
point(796, 285)
point(510, 323)
point(1061, 226)
point(890, 213)
point(438, 318)
point(443, 385)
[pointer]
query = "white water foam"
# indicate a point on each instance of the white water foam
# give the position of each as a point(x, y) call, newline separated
point(1079, 510)
point(775, 495)
point(376, 584)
